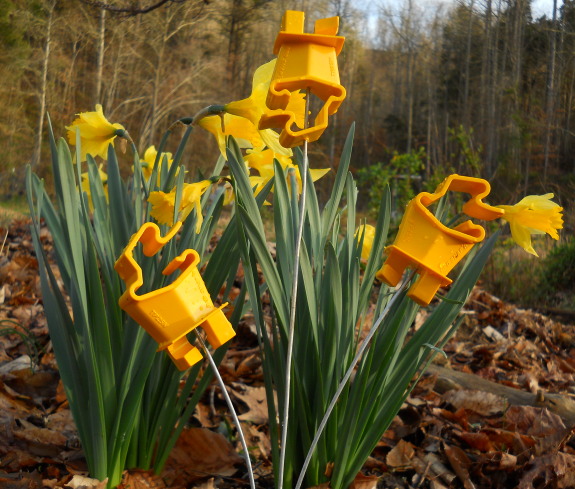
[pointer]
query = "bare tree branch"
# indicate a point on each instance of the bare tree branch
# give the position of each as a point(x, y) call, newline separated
point(132, 9)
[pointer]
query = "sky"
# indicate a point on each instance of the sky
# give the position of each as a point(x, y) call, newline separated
point(539, 7)
point(372, 8)
point(543, 7)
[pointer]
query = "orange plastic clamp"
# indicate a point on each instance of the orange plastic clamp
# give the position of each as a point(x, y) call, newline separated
point(170, 313)
point(429, 246)
point(304, 61)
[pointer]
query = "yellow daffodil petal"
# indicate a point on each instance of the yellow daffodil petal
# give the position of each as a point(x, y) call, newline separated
point(191, 200)
point(253, 107)
point(163, 203)
point(162, 206)
point(229, 196)
point(272, 141)
point(262, 161)
point(368, 232)
point(96, 133)
point(534, 214)
point(296, 105)
point(317, 173)
point(85, 185)
point(149, 160)
point(241, 129)
point(522, 236)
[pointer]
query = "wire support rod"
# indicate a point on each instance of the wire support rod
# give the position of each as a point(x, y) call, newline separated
point(348, 373)
point(293, 303)
point(232, 410)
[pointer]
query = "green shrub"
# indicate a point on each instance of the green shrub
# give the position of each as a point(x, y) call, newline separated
point(556, 277)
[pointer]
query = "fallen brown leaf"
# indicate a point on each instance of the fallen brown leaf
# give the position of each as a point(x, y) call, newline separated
point(483, 403)
point(400, 456)
point(364, 482)
point(460, 463)
point(259, 443)
point(200, 453)
point(81, 482)
point(255, 399)
point(556, 470)
point(140, 479)
point(209, 484)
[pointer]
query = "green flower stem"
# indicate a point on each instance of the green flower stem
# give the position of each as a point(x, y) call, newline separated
point(347, 375)
point(208, 111)
point(231, 408)
point(293, 304)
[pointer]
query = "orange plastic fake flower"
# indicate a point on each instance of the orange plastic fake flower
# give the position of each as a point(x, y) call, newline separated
point(534, 214)
point(163, 203)
point(96, 133)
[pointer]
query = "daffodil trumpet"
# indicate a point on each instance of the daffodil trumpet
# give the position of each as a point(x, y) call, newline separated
point(534, 214)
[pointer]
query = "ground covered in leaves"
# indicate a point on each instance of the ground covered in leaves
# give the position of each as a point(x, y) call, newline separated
point(498, 412)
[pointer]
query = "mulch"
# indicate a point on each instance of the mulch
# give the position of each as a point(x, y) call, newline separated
point(448, 434)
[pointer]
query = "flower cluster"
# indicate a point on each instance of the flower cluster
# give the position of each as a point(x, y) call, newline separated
point(240, 119)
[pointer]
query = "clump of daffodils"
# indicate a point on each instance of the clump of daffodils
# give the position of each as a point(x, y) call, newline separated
point(534, 214)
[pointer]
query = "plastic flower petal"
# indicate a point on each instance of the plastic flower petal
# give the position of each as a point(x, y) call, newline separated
point(163, 203)
point(96, 133)
point(534, 214)
point(368, 232)
point(150, 159)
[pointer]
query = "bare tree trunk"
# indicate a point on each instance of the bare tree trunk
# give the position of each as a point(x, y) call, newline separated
point(492, 125)
point(486, 64)
point(157, 82)
point(100, 61)
point(43, 86)
point(517, 49)
point(568, 137)
point(466, 111)
point(550, 93)
point(410, 96)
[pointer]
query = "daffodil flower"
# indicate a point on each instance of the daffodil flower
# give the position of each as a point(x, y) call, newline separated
point(534, 214)
point(242, 117)
point(262, 161)
point(368, 232)
point(85, 185)
point(245, 133)
point(253, 107)
point(96, 133)
point(163, 203)
point(150, 159)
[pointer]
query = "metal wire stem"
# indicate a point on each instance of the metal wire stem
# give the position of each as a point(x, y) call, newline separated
point(232, 410)
point(293, 303)
point(347, 375)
